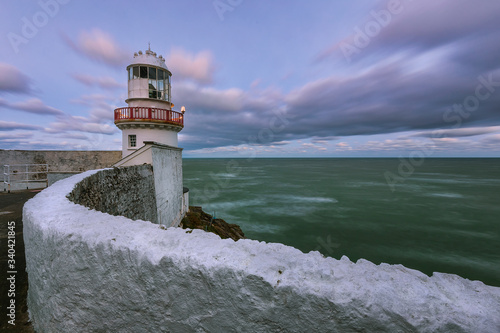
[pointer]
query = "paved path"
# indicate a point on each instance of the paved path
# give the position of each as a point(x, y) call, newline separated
point(11, 210)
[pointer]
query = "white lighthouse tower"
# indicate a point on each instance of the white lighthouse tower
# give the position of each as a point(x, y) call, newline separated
point(149, 116)
point(149, 133)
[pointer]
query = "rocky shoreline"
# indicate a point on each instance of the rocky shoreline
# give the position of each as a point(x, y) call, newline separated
point(196, 218)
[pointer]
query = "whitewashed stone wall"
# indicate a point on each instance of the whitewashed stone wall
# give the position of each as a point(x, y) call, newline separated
point(92, 272)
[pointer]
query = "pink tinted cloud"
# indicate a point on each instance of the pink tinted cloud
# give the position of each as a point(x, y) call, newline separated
point(100, 46)
point(197, 67)
point(208, 99)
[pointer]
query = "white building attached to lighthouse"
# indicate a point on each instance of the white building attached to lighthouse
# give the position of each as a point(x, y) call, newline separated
point(149, 132)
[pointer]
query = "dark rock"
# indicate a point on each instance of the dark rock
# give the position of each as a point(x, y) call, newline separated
point(196, 218)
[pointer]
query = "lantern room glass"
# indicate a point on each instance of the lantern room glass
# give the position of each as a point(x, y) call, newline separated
point(158, 80)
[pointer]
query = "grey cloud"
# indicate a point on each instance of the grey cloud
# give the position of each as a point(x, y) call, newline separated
point(10, 126)
point(8, 137)
point(385, 99)
point(107, 83)
point(12, 80)
point(325, 140)
point(33, 105)
point(427, 60)
point(80, 124)
point(77, 136)
point(99, 120)
point(469, 29)
point(427, 23)
point(493, 139)
point(458, 132)
point(12, 140)
point(92, 100)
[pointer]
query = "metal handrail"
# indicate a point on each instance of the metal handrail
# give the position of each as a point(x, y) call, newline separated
point(8, 171)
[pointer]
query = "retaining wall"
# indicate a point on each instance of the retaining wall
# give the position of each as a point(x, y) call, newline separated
point(128, 191)
point(92, 272)
point(58, 161)
point(53, 177)
point(62, 160)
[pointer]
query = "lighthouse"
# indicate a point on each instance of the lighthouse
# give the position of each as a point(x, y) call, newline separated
point(149, 116)
point(149, 128)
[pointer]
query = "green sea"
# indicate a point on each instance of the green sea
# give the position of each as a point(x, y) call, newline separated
point(433, 215)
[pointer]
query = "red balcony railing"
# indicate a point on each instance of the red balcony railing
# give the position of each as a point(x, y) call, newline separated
point(149, 114)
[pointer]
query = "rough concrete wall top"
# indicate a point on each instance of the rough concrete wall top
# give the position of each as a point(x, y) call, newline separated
point(62, 160)
point(127, 191)
point(92, 272)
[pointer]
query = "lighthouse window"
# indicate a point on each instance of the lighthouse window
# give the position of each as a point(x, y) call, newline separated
point(152, 73)
point(152, 91)
point(144, 72)
point(158, 80)
point(132, 140)
point(152, 84)
point(135, 72)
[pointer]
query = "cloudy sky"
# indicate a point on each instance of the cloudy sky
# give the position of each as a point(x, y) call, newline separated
point(262, 78)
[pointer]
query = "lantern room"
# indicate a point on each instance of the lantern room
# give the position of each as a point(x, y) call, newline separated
point(149, 80)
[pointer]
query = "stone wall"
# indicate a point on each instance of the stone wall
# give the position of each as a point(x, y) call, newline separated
point(128, 191)
point(62, 160)
point(53, 177)
point(92, 272)
point(57, 160)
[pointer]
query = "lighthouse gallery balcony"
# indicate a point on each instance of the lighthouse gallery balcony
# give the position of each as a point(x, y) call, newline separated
point(149, 115)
